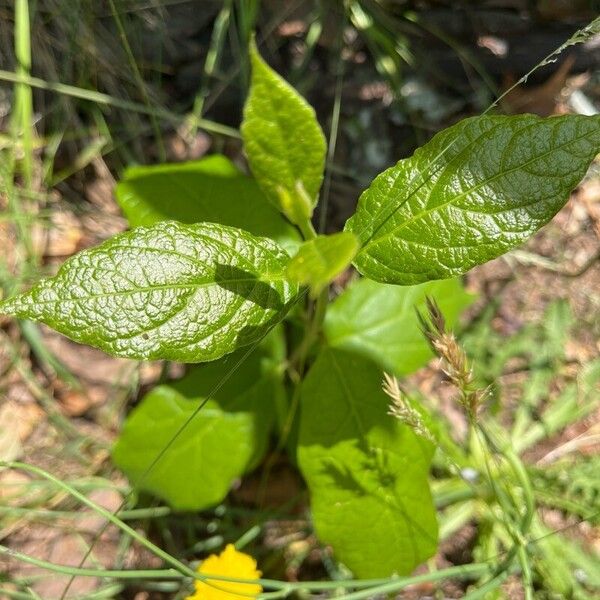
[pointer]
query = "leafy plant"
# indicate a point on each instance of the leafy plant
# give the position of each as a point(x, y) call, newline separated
point(206, 275)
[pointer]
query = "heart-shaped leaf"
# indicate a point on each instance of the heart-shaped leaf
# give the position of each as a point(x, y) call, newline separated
point(367, 473)
point(211, 189)
point(379, 321)
point(214, 428)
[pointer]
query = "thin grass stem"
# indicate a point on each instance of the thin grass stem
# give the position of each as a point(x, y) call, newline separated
point(108, 100)
point(23, 100)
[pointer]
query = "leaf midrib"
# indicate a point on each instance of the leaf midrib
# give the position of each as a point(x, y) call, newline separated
point(454, 199)
point(348, 396)
point(149, 289)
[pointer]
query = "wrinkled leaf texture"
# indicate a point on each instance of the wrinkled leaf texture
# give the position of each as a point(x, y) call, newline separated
point(189, 293)
point(475, 191)
point(283, 141)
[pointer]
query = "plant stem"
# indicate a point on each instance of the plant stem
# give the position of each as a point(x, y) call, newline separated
point(107, 100)
point(491, 585)
point(139, 80)
point(32, 335)
point(307, 230)
point(370, 586)
point(455, 495)
point(528, 495)
point(335, 122)
point(181, 567)
point(466, 571)
point(320, 309)
point(125, 515)
point(525, 571)
point(210, 63)
point(23, 103)
point(114, 574)
point(456, 519)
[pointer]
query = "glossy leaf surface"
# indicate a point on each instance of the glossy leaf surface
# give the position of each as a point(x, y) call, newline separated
point(211, 189)
point(366, 472)
point(320, 260)
point(472, 193)
point(283, 142)
point(379, 321)
point(189, 293)
point(222, 440)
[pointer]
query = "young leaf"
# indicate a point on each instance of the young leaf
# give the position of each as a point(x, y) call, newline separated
point(472, 193)
point(320, 260)
point(367, 473)
point(379, 321)
point(189, 293)
point(222, 441)
point(211, 189)
point(283, 142)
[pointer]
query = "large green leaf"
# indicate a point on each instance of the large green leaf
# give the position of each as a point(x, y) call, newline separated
point(211, 189)
point(367, 473)
point(472, 193)
point(379, 321)
point(223, 439)
point(190, 293)
point(320, 260)
point(283, 142)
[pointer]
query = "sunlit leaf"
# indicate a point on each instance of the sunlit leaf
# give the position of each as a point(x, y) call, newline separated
point(190, 293)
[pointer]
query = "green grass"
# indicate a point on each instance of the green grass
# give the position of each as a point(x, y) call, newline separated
point(22, 115)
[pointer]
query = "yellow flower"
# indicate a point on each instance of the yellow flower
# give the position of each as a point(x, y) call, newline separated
point(230, 563)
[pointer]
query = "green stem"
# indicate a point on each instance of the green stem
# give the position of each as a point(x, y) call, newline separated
point(519, 533)
point(47, 402)
point(23, 97)
point(371, 586)
point(457, 518)
point(297, 364)
point(298, 358)
point(307, 229)
point(182, 568)
point(456, 495)
point(525, 571)
point(114, 574)
point(528, 495)
point(215, 48)
point(554, 500)
point(466, 571)
point(320, 311)
point(491, 585)
point(139, 80)
point(107, 100)
point(125, 515)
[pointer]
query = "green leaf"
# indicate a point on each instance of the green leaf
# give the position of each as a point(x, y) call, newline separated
point(320, 260)
point(473, 192)
point(379, 321)
point(223, 439)
point(283, 141)
point(211, 189)
point(367, 473)
point(189, 293)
